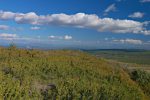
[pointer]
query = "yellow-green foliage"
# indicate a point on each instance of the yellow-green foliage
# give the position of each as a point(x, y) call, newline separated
point(62, 75)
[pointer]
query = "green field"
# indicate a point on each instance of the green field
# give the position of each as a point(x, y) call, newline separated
point(127, 56)
point(67, 75)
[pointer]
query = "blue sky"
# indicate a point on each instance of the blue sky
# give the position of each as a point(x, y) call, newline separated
point(88, 24)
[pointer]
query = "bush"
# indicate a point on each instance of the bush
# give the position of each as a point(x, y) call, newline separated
point(143, 79)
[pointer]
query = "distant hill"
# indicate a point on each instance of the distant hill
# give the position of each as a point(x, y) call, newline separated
point(67, 75)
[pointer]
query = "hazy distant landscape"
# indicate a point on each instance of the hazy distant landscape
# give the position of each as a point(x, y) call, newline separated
point(133, 59)
point(124, 55)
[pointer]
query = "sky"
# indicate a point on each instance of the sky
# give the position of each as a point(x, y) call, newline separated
point(78, 24)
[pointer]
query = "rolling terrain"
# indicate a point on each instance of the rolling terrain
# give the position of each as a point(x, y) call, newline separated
point(67, 75)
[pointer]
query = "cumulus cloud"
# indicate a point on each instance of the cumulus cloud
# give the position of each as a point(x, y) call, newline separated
point(129, 41)
point(80, 20)
point(136, 15)
point(144, 1)
point(6, 15)
point(4, 27)
point(110, 8)
point(66, 37)
point(7, 36)
point(30, 17)
point(35, 28)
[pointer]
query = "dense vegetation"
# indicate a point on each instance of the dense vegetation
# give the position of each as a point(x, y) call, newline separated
point(65, 75)
point(128, 56)
point(143, 79)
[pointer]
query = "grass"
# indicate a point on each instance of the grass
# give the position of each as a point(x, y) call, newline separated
point(63, 75)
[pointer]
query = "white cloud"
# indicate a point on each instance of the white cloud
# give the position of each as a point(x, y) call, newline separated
point(35, 28)
point(15, 37)
point(80, 20)
point(52, 37)
point(66, 37)
point(7, 36)
point(6, 15)
point(4, 27)
point(30, 17)
point(129, 41)
point(144, 1)
point(136, 15)
point(110, 8)
point(55, 37)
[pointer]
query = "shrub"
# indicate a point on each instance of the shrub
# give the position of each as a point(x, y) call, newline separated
point(143, 79)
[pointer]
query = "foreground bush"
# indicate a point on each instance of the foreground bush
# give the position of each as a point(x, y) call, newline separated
point(143, 79)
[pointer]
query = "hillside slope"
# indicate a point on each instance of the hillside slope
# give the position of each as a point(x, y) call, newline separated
point(63, 75)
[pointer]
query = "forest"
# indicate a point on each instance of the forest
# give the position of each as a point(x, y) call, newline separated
point(31, 74)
